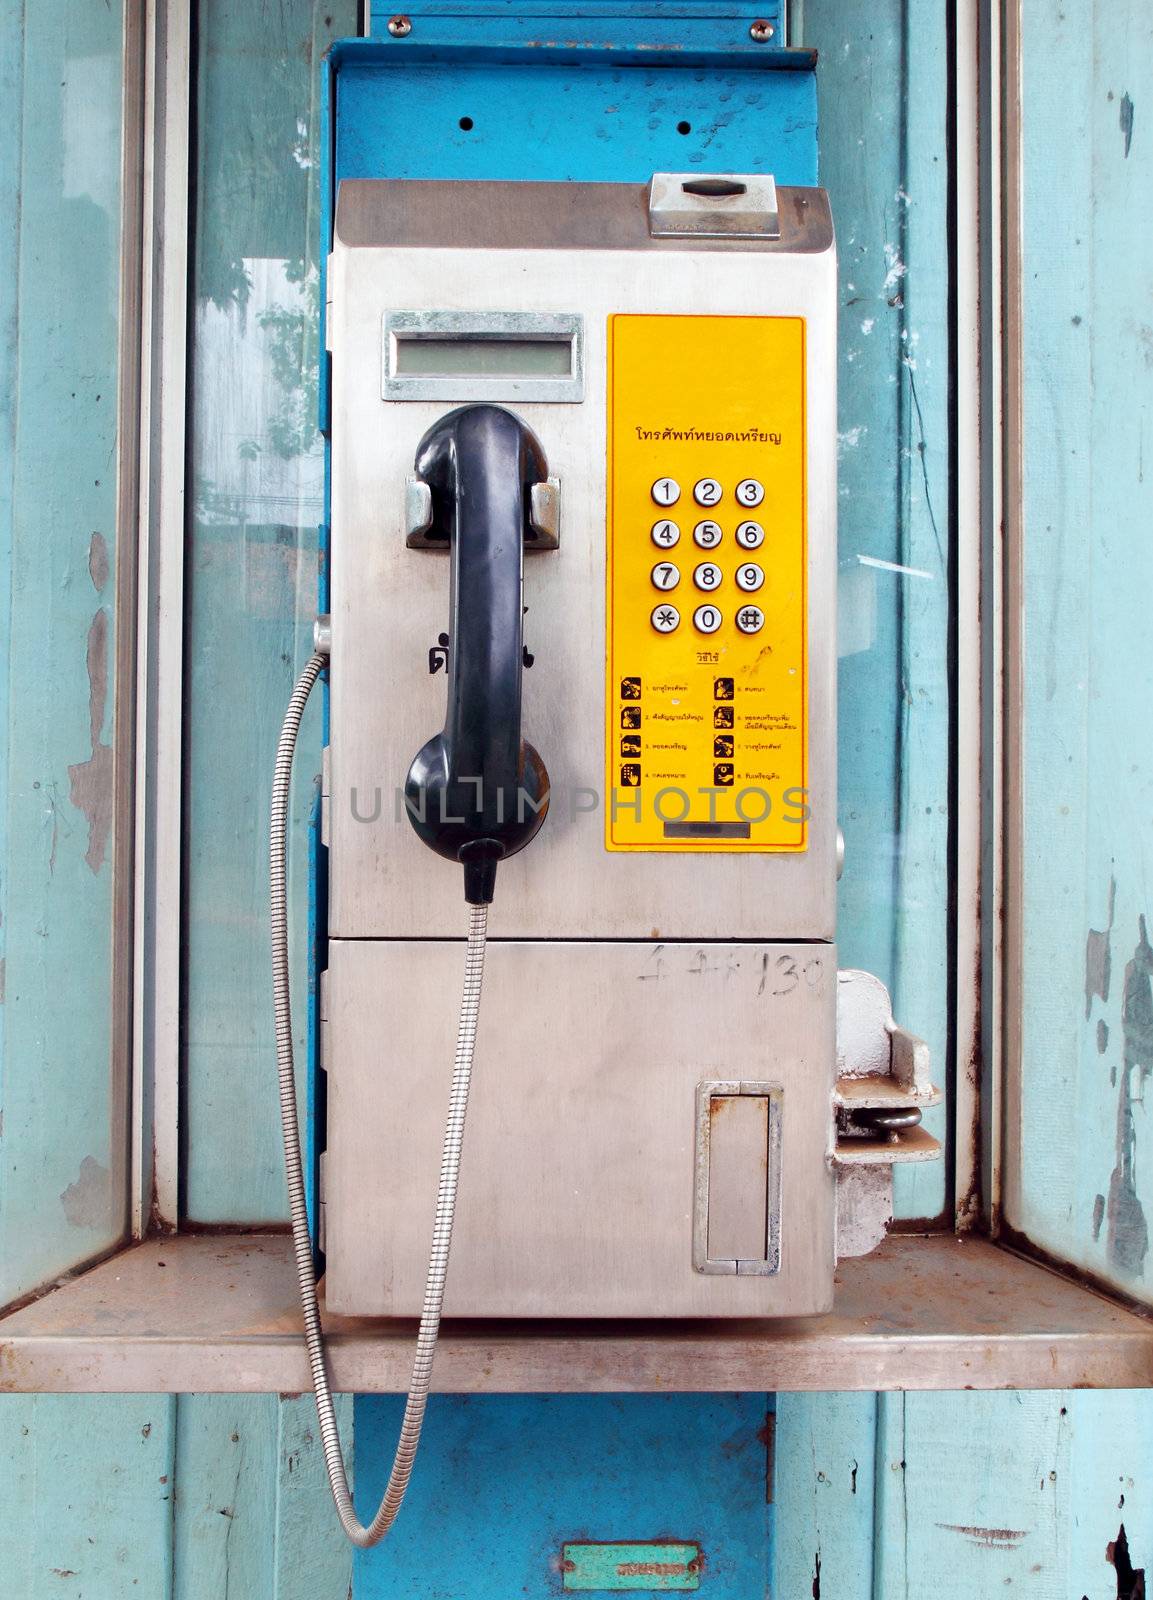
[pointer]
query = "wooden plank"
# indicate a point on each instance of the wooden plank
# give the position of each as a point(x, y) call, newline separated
point(823, 1495)
point(62, 1148)
point(86, 1511)
point(220, 1314)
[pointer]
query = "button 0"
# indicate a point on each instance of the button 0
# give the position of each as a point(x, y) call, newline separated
point(750, 619)
point(707, 492)
point(666, 619)
point(707, 535)
point(749, 577)
point(665, 533)
point(665, 575)
point(707, 576)
point(667, 491)
point(749, 535)
point(750, 492)
point(707, 619)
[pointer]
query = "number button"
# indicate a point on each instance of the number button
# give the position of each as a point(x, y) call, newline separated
point(707, 619)
point(707, 576)
point(707, 492)
point(707, 535)
point(750, 492)
point(750, 619)
point(749, 577)
point(666, 533)
point(667, 491)
point(665, 575)
point(749, 535)
point(666, 619)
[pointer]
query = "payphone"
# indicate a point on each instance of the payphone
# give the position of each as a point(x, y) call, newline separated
point(583, 524)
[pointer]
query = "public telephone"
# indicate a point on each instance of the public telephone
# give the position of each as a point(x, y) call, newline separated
point(583, 523)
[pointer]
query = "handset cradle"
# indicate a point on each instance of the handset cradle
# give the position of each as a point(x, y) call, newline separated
point(477, 791)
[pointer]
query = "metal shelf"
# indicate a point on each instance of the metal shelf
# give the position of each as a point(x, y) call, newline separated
point(217, 1313)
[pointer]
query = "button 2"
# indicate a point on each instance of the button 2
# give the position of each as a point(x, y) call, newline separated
point(707, 576)
point(707, 535)
point(665, 575)
point(707, 619)
point(666, 533)
point(665, 619)
point(667, 491)
point(750, 619)
point(750, 492)
point(749, 577)
point(707, 492)
point(749, 535)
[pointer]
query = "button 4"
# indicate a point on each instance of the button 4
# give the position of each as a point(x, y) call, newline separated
point(666, 491)
point(665, 533)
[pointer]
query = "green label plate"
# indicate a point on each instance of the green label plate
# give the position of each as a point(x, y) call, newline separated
point(631, 1566)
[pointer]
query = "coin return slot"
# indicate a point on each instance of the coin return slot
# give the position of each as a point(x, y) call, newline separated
point(737, 1214)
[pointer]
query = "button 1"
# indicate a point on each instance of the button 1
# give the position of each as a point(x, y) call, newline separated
point(665, 575)
point(707, 492)
point(667, 491)
point(666, 619)
point(749, 535)
point(749, 577)
point(707, 535)
point(707, 576)
point(707, 619)
point(750, 619)
point(749, 492)
point(665, 533)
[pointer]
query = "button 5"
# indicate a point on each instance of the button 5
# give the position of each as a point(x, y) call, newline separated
point(707, 535)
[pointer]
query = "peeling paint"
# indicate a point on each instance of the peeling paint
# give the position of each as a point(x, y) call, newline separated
point(1125, 118)
point(1127, 1239)
point(1098, 956)
point(85, 1202)
point(988, 1538)
point(98, 565)
point(91, 780)
point(1130, 1579)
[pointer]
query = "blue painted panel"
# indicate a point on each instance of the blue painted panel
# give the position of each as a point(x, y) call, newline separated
point(404, 122)
point(504, 1481)
point(1084, 1185)
point(62, 1106)
point(603, 24)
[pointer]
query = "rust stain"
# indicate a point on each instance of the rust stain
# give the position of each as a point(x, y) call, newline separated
point(987, 1538)
point(91, 780)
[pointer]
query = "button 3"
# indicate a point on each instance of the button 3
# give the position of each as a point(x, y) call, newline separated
point(749, 492)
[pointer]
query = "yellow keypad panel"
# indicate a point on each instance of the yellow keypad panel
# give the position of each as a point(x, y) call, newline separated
point(706, 619)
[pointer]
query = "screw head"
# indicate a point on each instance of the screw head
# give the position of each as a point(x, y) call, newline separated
point(400, 26)
point(760, 32)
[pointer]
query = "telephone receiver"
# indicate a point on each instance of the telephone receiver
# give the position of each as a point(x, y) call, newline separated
point(478, 791)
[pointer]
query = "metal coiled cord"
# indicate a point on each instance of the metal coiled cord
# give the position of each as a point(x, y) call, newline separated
point(361, 1535)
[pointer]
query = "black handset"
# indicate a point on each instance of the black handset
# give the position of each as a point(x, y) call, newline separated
point(478, 791)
